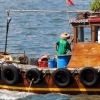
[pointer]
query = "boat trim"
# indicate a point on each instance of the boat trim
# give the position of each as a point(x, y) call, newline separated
point(48, 89)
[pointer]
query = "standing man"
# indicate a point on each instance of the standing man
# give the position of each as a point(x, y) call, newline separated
point(62, 45)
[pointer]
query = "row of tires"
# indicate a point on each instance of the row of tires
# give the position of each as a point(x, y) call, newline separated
point(62, 77)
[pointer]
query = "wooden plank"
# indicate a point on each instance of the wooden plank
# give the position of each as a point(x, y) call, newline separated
point(75, 34)
point(93, 33)
point(85, 55)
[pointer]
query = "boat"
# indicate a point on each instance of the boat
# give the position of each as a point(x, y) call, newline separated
point(75, 73)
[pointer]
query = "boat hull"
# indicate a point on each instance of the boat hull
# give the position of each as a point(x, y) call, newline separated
point(48, 86)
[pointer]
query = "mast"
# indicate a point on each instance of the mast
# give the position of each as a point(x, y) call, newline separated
point(7, 28)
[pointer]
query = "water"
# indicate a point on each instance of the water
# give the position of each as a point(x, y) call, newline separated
point(15, 95)
point(36, 33)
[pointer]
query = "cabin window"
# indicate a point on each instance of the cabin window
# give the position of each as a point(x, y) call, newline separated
point(97, 28)
point(84, 34)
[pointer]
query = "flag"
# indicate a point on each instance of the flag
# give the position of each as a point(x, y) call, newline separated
point(70, 2)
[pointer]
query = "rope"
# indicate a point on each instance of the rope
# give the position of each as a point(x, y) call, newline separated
point(75, 71)
point(46, 72)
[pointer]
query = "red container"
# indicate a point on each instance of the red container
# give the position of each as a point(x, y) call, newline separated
point(43, 64)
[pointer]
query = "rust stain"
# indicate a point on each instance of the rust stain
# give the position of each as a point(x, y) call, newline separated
point(85, 55)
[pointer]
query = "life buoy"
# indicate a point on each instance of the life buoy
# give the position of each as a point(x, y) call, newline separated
point(88, 76)
point(62, 77)
point(34, 75)
point(10, 75)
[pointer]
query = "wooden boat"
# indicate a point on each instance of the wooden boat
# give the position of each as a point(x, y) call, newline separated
point(81, 75)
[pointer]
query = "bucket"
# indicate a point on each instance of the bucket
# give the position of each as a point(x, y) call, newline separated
point(51, 63)
point(62, 61)
point(43, 64)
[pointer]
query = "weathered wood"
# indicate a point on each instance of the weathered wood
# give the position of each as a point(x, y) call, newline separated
point(85, 55)
point(75, 34)
point(93, 33)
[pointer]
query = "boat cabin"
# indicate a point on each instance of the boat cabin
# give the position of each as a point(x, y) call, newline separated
point(86, 48)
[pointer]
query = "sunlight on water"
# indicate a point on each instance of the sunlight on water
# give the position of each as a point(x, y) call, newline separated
point(12, 95)
point(16, 95)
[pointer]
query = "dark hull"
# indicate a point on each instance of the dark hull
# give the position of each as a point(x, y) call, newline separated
point(48, 86)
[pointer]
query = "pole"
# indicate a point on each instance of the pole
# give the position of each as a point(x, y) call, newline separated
point(7, 28)
point(69, 23)
point(50, 11)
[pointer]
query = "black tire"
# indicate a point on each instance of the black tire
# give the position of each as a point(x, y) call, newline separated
point(88, 76)
point(62, 77)
point(34, 74)
point(10, 75)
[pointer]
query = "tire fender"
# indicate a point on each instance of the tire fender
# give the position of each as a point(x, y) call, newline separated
point(10, 75)
point(62, 77)
point(86, 80)
point(34, 74)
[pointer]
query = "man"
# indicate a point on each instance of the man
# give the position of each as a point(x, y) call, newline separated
point(62, 45)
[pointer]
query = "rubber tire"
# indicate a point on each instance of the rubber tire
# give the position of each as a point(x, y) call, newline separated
point(14, 75)
point(63, 73)
point(83, 73)
point(35, 74)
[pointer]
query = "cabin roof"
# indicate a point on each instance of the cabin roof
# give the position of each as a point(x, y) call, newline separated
point(86, 19)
